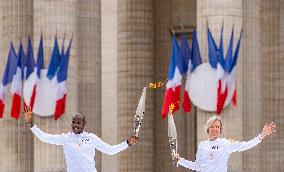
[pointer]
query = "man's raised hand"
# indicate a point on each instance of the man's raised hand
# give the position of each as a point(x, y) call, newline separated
point(28, 115)
point(268, 129)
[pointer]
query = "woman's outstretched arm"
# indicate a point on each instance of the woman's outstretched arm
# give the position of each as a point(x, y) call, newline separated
point(235, 146)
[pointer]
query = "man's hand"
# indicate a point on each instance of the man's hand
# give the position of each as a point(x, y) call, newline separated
point(132, 140)
point(28, 115)
point(177, 157)
point(268, 129)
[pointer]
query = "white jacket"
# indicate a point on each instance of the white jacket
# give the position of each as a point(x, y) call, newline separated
point(212, 156)
point(79, 149)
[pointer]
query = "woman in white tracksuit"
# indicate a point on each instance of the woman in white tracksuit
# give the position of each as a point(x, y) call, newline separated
point(213, 154)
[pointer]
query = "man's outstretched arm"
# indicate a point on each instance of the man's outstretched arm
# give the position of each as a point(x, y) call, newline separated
point(111, 150)
point(44, 137)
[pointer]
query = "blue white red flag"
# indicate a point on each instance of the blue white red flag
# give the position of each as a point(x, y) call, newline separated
point(225, 67)
point(16, 86)
point(29, 75)
point(61, 75)
point(32, 79)
point(7, 77)
point(176, 69)
point(232, 69)
point(194, 59)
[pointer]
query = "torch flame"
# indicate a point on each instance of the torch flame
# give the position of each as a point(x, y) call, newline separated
point(155, 85)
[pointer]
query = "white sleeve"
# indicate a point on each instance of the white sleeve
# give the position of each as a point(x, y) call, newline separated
point(47, 138)
point(235, 146)
point(108, 149)
point(187, 164)
point(191, 165)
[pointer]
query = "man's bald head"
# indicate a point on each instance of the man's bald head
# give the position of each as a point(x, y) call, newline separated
point(78, 115)
point(78, 123)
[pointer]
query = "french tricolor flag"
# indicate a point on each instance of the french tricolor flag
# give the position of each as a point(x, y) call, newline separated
point(225, 67)
point(225, 83)
point(230, 71)
point(222, 89)
point(54, 66)
point(61, 82)
point(216, 55)
point(29, 73)
point(7, 77)
point(32, 76)
point(193, 60)
point(16, 86)
point(176, 69)
point(216, 60)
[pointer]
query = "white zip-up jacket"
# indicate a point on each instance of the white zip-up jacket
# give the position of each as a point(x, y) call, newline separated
point(213, 156)
point(79, 149)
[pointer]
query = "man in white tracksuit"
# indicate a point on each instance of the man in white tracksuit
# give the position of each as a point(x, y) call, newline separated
point(79, 146)
point(213, 154)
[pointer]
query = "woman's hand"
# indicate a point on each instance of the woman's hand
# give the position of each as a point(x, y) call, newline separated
point(268, 129)
point(132, 140)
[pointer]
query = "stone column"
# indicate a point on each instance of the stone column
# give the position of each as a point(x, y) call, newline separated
point(161, 55)
point(229, 12)
point(109, 80)
point(252, 94)
point(88, 29)
point(272, 60)
point(135, 70)
point(16, 139)
point(56, 18)
point(171, 13)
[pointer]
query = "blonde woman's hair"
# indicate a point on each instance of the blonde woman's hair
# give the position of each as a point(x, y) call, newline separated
point(210, 122)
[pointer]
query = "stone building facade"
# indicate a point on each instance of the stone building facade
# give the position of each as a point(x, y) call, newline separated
point(119, 47)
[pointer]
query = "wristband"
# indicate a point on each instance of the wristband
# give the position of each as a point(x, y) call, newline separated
point(259, 137)
point(128, 143)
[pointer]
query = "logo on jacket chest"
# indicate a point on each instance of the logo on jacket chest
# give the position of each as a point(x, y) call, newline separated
point(215, 147)
point(80, 142)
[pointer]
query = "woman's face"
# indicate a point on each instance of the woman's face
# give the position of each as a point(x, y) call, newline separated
point(215, 130)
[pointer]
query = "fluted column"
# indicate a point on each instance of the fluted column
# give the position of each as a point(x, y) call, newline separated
point(16, 140)
point(217, 12)
point(162, 51)
point(109, 80)
point(252, 95)
point(135, 70)
point(171, 13)
point(88, 29)
point(56, 18)
point(272, 60)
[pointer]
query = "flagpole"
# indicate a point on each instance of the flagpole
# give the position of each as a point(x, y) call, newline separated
point(10, 40)
point(63, 38)
point(207, 23)
point(172, 30)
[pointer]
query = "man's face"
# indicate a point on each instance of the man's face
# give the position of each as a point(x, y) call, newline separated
point(215, 130)
point(78, 125)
